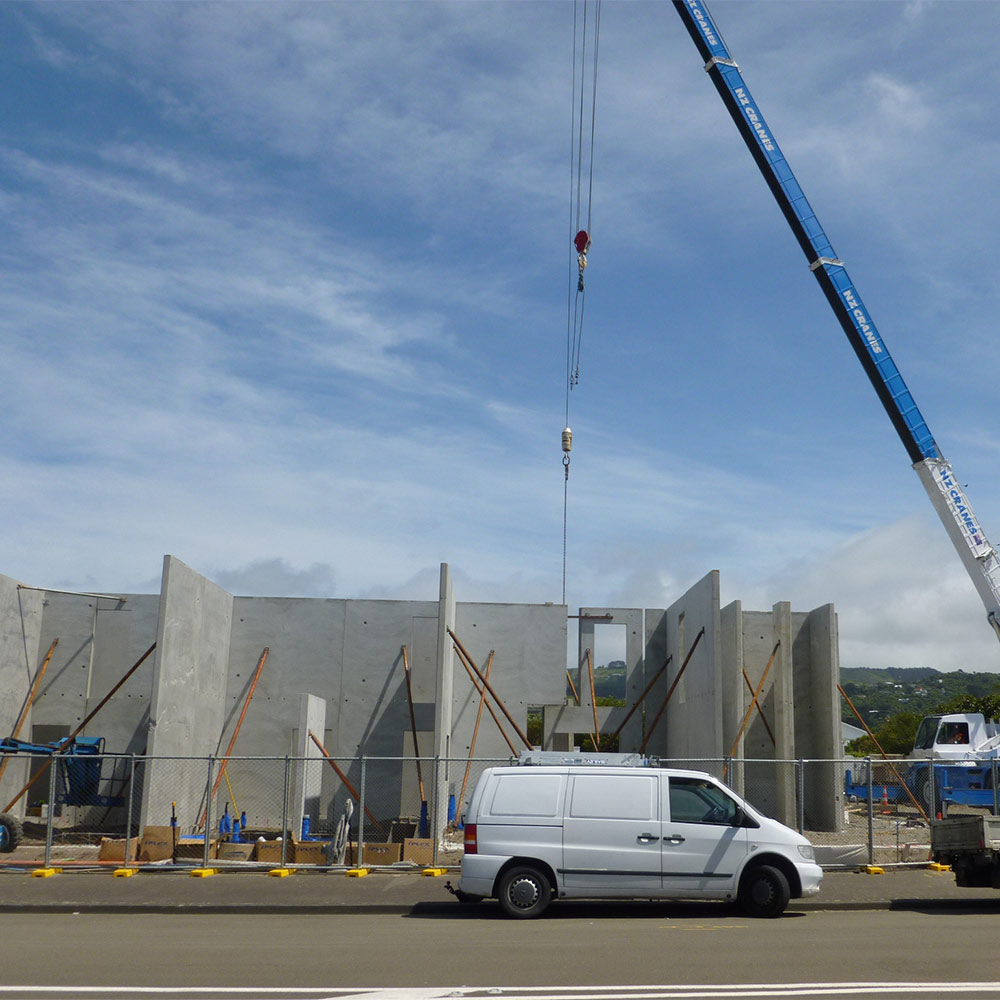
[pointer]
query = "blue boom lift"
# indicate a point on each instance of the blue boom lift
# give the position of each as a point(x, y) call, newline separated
point(78, 777)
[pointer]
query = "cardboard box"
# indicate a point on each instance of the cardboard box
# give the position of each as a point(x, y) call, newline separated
point(309, 852)
point(419, 850)
point(381, 854)
point(156, 843)
point(193, 848)
point(114, 850)
point(228, 851)
point(269, 852)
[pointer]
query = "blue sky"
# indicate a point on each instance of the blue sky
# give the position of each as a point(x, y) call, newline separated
point(284, 287)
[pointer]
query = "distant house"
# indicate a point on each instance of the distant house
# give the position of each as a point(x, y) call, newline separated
point(849, 732)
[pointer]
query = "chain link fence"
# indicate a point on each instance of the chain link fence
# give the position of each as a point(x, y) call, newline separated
point(105, 809)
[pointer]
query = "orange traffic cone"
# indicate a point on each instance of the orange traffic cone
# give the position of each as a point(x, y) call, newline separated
point(885, 799)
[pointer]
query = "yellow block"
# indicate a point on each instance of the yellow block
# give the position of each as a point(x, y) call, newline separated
point(45, 872)
point(125, 872)
point(281, 872)
point(204, 872)
point(874, 870)
point(434, 871)
point(936, 867)
point(356, 872)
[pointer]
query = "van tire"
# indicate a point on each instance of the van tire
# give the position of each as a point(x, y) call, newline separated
point(524, 892)
point(764, 892)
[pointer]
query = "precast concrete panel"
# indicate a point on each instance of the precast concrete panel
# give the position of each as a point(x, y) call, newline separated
point(692, 727)
point(529, 663)
point(307, 779)
point(783, 692)
point(657, 664)
point(349, 653)
point(824, 785)
point(759, 640)
point(20, 659)
point(374, 711)
point(189, 684)
point(100, 639)
point(304, 639)
point(305, 642)
point(734, 687)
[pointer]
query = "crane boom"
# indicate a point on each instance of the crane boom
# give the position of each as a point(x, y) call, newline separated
point(935, 472)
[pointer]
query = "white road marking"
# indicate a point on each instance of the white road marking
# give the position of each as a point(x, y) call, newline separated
point(749, 991)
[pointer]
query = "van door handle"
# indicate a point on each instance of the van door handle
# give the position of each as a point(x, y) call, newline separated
point(647, 838)
point(674, 839)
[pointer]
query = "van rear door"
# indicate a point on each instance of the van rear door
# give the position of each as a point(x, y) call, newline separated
point(611, 835)
point(702, 849)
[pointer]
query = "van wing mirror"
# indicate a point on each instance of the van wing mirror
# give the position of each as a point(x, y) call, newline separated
point(743, 818)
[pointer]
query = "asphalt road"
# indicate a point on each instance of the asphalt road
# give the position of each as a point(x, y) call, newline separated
point(440, 949)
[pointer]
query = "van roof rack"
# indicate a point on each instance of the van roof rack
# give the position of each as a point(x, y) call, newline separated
point(576, 757)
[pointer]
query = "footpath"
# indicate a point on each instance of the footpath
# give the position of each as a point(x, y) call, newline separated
point(393, 891)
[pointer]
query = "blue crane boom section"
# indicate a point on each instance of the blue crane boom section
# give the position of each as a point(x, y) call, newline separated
point(981, 560)
point(824, 263)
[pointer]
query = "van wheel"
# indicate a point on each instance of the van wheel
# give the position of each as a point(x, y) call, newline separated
point(764, 892)
point(524, 892)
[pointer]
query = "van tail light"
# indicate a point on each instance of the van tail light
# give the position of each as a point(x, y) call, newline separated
point(469, 840)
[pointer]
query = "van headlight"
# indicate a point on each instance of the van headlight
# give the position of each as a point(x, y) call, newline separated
point(807, 852)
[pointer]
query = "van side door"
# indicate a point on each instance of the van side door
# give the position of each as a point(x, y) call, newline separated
point(611, 835)
point(702, 848)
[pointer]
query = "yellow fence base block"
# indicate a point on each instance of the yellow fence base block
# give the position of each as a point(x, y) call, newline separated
point(434, 871)
point(45, 872)
point(874, 870)
point(204, 872)
point(281, 872)
point(936, 867)
point(356, 872)
point(125, 872)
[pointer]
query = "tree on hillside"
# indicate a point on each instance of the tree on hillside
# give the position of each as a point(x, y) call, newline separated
point(895, 735)
point(987, 705)
point(897, 732)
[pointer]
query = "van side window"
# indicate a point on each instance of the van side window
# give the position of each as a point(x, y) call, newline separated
point(606, 796)
point(694, 800)
point(527, 795)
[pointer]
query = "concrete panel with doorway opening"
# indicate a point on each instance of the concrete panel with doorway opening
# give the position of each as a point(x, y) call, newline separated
point(529, 645)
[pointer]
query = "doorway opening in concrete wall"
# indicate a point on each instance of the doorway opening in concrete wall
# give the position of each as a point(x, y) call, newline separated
point(602, 677)
point(39, 793)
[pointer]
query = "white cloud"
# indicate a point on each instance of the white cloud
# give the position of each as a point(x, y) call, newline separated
point(284, 295)
point(902, 597)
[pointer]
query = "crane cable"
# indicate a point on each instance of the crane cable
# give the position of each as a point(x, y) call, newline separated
point(576, 293)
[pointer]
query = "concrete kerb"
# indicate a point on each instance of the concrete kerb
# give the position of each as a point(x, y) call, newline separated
point(389, 891)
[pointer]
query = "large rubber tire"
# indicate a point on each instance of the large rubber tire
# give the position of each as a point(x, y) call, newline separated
point(10, 833)
point(524, 892)
point(764, 892)
point(925, 792)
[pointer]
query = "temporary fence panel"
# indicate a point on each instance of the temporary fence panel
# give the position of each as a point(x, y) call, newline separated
point(362, 810)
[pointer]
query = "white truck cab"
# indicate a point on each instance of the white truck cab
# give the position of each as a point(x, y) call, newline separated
point(959, 736)
point(582, 830)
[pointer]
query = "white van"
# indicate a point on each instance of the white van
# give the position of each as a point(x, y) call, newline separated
point(537, 833)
